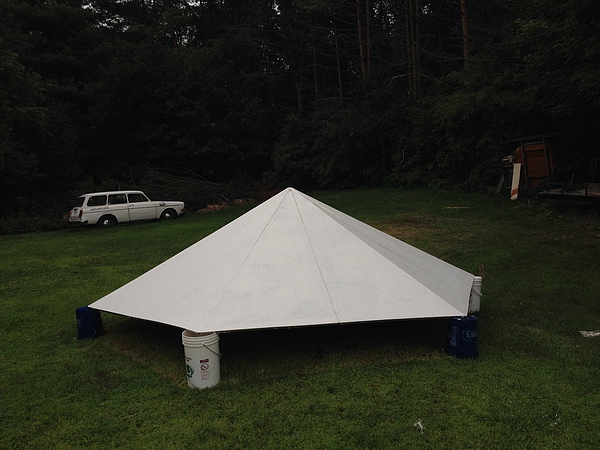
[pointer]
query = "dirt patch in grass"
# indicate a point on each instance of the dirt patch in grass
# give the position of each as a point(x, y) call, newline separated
point(225, 204)
point(592, 231)
point(407, 228)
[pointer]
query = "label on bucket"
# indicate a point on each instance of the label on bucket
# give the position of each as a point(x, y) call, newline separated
point(204, 369)
point(453, 335)
point(469, 336)
point(189, 369)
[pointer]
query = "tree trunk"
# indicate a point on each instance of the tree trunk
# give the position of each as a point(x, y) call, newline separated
point(361, 44)
point(314, 57)
point(413, 47)
point(368, 31)
point(299, 96)
point(418, 68)
point(465, 30)
point(339, 67)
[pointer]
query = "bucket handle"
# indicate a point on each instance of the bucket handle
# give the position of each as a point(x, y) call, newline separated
point(211, 350)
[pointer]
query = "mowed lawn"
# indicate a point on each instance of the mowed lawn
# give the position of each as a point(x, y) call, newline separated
point(536, 383)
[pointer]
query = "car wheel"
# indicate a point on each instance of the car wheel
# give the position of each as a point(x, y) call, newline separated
point(168, 214)
point(107, 222)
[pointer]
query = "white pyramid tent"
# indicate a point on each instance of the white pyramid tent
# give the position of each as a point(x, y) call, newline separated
point(293, 261)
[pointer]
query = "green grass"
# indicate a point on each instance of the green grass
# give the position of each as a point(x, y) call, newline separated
point(535, 384)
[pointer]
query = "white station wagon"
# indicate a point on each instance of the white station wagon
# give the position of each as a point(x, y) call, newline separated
point(106, 209)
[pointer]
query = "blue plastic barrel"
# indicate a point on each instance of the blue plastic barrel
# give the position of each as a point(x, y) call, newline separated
point(462, 337)
point(89, 323)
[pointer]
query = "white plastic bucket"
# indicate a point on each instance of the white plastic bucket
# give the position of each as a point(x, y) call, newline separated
point(202, 358)
point(475, 298)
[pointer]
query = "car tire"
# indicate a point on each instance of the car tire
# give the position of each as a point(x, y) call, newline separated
point(168, 214)
point(106, 221)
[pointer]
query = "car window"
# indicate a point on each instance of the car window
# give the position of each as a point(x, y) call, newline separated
point(117, 199)
point(79, 202)
point(137, 198)
point(97, 200)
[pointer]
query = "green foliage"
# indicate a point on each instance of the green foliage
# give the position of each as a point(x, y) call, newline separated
point(384, 385)
point(531, 79)
point(319, 151)
point(36, 138)
point(558, 47)
point(346, 146)
point(311, 93)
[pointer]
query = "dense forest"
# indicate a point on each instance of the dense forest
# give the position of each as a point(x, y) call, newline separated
point(101, 94)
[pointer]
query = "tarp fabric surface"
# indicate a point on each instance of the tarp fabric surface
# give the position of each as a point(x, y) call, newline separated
point(293, 261)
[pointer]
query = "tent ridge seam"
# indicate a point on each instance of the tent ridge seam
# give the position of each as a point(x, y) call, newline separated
point(335, 312)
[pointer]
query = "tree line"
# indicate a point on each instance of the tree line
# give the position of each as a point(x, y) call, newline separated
point(309, 93)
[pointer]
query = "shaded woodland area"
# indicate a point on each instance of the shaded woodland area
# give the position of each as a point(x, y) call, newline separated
point(309, 93)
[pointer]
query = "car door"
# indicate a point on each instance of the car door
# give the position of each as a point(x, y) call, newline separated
point(140, 208)
point(117, 206)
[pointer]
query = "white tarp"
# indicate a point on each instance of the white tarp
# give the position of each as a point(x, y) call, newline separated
point(293, 261)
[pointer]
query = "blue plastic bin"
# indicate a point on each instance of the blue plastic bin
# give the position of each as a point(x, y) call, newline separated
point(89, 323)
point(462, 337)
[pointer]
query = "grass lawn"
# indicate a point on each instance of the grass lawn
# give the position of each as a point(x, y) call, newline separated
point(388, 385)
